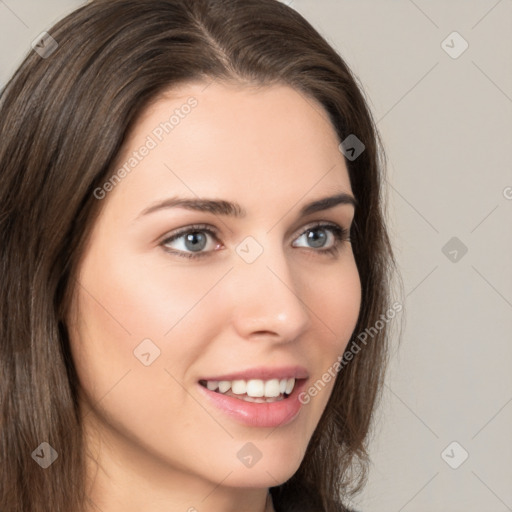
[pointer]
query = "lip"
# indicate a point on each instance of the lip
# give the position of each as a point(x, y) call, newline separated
point(272, 414)
point(264, 373)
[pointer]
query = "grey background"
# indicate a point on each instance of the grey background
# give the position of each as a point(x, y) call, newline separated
point(447, 128)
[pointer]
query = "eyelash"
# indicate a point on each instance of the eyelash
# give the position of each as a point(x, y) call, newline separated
point(341, 235)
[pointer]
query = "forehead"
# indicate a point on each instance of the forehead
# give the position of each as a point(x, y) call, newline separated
point(245, 143)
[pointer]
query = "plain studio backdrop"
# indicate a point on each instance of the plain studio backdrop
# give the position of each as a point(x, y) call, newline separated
point(438, 76)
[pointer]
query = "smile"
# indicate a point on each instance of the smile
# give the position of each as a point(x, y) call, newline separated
point(253, 390)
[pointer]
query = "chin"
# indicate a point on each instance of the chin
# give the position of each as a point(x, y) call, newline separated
point(269, 471)
point(261, 478)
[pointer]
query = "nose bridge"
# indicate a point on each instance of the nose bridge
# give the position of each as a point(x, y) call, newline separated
point(267, 296)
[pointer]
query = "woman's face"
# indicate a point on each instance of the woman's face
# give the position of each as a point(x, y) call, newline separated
point(207, 265)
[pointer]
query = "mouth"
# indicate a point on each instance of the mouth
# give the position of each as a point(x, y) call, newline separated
point(264, 397)
point(254, 390)
point(255, 402)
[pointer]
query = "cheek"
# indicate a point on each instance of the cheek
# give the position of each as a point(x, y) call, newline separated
point(335, 302)
point(127, 297)
point(128, 307)
point(116, 309)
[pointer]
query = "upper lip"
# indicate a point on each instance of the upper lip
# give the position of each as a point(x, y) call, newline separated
point(264, 373)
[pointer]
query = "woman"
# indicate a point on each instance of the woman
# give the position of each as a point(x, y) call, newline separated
point(192, 243)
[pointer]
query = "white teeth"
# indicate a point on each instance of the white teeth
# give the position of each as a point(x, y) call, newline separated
point(254, 388)
point(224, 385)
point(272, 388)
point(239, 387)
point(212, 385)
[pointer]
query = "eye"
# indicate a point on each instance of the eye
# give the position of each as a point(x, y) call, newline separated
point(192, 242)
point(200, 240)
point(324, 238)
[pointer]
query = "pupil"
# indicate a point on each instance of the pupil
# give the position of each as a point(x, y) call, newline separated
point(195, 241)
point(316, 238)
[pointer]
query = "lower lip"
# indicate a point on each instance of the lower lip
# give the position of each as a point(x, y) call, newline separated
point(268, 414)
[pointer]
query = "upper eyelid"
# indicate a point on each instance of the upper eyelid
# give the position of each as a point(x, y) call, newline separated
point(188, 229)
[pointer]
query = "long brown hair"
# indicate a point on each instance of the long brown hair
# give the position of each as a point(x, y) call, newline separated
point(64, 118)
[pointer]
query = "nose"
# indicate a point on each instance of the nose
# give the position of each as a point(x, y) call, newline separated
point(266, 299)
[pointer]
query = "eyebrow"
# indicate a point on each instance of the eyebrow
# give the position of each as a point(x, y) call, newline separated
point(221, 207)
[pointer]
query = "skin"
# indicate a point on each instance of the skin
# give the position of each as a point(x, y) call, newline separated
point(153, 442)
